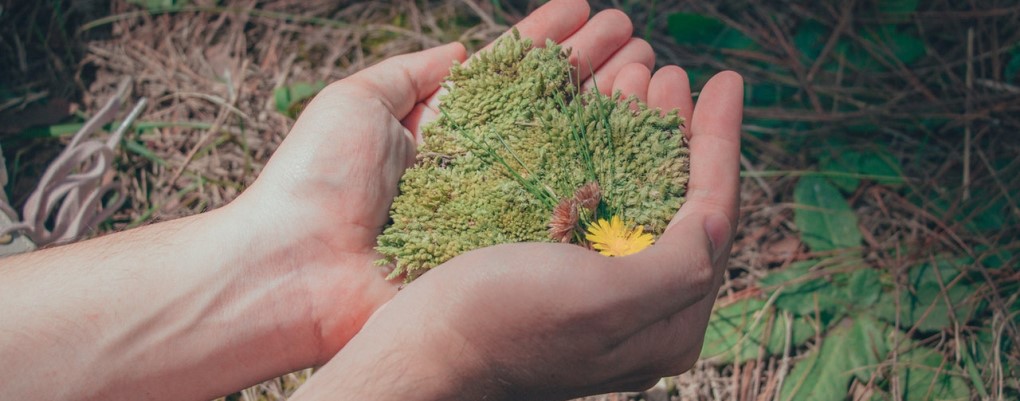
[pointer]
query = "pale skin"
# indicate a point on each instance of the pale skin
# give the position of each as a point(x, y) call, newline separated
point(282, 278)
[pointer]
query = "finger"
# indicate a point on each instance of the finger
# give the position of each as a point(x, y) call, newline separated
point(670, 89)
point(635, 51)
point(418, 117)
point(556, 21)
point(401, 82)
point(633, 81)
point(670, 276)
point(715, 148)
point(597, 40)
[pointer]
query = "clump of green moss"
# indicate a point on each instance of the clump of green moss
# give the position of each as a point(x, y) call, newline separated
point(513, 140)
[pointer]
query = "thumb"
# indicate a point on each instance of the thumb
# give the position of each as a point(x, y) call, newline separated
point(402, 81)
point(682, 268)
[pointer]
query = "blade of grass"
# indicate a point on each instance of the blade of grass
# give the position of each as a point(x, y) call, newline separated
point(62, 130)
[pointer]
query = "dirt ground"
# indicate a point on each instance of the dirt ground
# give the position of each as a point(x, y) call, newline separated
point(212, 73)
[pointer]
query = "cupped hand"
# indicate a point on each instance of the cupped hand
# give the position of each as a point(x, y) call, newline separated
point(554, 321)
point(318, 206)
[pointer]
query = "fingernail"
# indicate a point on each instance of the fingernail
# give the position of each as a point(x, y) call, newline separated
point(717, 228)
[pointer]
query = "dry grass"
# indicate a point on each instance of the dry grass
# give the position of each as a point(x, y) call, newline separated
point(210, 72)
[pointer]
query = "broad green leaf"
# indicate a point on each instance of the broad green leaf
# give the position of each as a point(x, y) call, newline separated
point(925, 375)
point(993, 258)
point(908, 47)
point(881, 164)
point(897, 6)
point(700, 29)
point(738, 331)
point(830, 296)
point(843, 162)
point(809, 40)
point(290, 98)
point(733, 39)
point(878, 166)
point(799, 296)
point(863, 288)
point(986, 210)
point(1013, 66)
point(692, 28)
point(903, 44)
point(925, 292)
point(852, 350)
point(824, 217)
point(854, 56)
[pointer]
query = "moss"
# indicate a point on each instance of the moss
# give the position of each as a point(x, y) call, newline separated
point(512, 140)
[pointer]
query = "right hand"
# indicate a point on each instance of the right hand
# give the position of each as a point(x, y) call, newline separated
point(555, 321)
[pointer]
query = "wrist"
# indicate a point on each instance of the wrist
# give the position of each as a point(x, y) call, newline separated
point(327, 293)
point(401, 355)
point(370, 369)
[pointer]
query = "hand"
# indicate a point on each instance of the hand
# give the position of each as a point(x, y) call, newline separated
point(325, 195)
point(553, 321)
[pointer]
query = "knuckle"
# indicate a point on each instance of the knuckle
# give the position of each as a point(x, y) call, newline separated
point(701, 272)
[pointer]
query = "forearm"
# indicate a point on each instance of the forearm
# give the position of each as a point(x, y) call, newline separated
point(179, 310)
point(368, 370)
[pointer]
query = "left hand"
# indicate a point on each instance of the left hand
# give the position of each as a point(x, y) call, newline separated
point(320, 203)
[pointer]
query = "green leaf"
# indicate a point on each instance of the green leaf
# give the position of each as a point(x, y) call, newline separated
point(830, 296)
point(854, 56)
point(877, 165)
point(289, 98)
point(863, 289)
point(897, 6)
point(986, 210)
point(908, 47)
point(844, 162)
point(700, 29)
point(851, 350)
point(824, 217)
point(1013, 66)
point(925, 375)
point(881, 164)
point(809, 40)
point(692, 28)
point(988, 213)
point(993, 258)
point(903, 44)
point(925, 292)
point(737, 332)
point(799, 296)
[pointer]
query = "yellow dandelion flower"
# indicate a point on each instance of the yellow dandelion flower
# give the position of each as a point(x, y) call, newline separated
point(613, 238)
